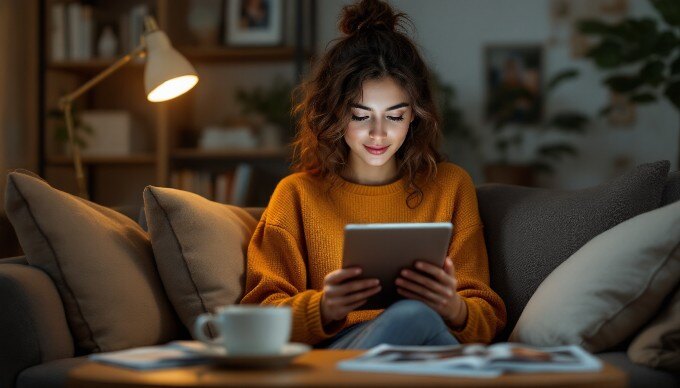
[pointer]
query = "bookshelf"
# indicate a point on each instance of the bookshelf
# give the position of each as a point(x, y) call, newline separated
point(171, 157)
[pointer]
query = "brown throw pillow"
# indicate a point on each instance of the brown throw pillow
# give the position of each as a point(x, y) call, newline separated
point(101, 262)
point(200, 248)
point(658, 344)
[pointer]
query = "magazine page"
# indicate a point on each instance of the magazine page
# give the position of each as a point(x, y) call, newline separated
point(455, 360)
point(515, 357)
point(473, 360)
point(173, 354)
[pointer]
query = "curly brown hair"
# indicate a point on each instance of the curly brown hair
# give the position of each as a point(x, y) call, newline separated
point(374, 46)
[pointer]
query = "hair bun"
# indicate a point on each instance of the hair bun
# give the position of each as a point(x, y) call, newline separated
point(367, 15)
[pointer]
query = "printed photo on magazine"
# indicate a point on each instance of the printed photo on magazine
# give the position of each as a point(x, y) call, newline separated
point(473, 360)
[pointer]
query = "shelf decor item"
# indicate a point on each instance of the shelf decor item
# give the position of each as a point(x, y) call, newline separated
point(167, 75)
point(254, 23)
point(203, 21)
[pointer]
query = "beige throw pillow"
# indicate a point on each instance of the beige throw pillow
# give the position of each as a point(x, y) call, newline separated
point(609, 288)
point(658, 344)
point(101, 262)
point(200, 248)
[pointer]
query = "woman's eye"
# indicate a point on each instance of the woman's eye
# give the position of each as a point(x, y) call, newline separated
point(359, 118)
point(395, 118)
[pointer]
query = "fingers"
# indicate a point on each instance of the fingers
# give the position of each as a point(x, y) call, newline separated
point(423, 292)
point(350, 287)
point(340, 275)
point(433, 285)
point(357, 296)
point(442, 275)
point(448, 265)
point(410, 295)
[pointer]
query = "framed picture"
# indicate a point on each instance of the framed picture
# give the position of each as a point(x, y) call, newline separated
point(513, 83)
point(254, 23)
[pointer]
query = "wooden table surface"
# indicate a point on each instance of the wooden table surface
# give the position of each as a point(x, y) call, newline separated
point(317, 369)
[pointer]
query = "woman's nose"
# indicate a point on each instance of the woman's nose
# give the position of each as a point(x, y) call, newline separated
point(377, 131)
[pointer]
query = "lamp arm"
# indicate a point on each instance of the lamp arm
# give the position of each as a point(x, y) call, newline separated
point(66, 104)
point(139, 51)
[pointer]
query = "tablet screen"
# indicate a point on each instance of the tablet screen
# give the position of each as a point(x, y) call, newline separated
point(383, 250)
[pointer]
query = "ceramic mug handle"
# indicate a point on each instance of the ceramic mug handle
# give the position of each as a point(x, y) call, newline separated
point(199, 330)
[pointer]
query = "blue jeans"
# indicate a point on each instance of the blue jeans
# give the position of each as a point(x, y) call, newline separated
point(406, 322)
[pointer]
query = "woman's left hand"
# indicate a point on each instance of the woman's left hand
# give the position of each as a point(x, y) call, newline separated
point(438, 290)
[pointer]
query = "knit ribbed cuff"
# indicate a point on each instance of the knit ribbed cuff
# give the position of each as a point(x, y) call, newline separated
point(470, 330)
point(313, 320)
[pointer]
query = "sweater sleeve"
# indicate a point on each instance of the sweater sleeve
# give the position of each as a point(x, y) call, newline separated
point(276, 275)
point(486, 310)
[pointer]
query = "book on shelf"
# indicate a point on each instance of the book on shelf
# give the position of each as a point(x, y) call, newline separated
point(72, 28)
point(241, 184)
point(58, 32)
point(473, 360)
point(231, 186)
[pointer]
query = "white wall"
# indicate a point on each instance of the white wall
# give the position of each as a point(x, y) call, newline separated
point(452, 35)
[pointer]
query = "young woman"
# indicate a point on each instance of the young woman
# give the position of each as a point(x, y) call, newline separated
point(366, 152)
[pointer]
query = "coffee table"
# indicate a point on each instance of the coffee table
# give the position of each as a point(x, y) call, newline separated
point(317, 369)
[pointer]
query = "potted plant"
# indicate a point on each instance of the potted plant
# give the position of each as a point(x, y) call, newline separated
point(509, 137)
point(640, 55)
point(80, 130)
point(453, 124)
point(269, 110)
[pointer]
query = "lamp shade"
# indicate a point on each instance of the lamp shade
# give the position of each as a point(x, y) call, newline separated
point(167, 74)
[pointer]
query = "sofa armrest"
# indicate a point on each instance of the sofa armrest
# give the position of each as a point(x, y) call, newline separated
point(33, 327)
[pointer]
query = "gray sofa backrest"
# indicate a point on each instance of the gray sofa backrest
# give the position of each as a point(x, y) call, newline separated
point(531, 231)
point(671, 191)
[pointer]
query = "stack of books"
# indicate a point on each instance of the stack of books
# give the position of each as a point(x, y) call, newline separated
point(74, 30)
point(231, 186)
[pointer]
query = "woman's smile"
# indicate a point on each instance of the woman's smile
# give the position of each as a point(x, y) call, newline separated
point(376, 150)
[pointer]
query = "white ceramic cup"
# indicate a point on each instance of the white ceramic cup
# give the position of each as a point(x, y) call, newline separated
point(247, 330)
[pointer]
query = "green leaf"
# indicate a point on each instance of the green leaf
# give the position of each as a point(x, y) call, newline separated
point(569, 121)
point(560, 77)
point(652, 72)
point(666, 42)
point(607, 54)
point(669, 10)
point(623, 83)
point(643, 98)
point(672, 92)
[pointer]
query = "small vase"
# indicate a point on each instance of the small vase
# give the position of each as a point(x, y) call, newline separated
point(107, 46)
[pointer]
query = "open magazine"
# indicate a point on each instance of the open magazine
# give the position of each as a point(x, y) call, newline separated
point(473, 360)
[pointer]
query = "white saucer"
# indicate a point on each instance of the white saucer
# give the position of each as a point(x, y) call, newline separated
point(220, 356)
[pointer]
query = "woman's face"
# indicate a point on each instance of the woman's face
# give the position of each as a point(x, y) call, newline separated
point(377, 129)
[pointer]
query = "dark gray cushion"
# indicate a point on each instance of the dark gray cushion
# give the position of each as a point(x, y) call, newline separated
point(51, 374)
point(32, 321)
point(671, 192)
point(530, 231)
point(640, 376)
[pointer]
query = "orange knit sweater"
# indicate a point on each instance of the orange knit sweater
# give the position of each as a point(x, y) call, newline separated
point(299, 239)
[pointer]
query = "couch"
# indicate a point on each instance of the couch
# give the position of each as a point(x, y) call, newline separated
point(36, 342)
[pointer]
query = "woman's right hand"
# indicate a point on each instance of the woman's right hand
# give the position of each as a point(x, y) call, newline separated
point(342, 295)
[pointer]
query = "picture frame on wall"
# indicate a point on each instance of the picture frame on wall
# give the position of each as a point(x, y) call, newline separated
point(514, 76)
point(254, 23)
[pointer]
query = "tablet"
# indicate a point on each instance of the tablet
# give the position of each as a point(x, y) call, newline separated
point(383, 250)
